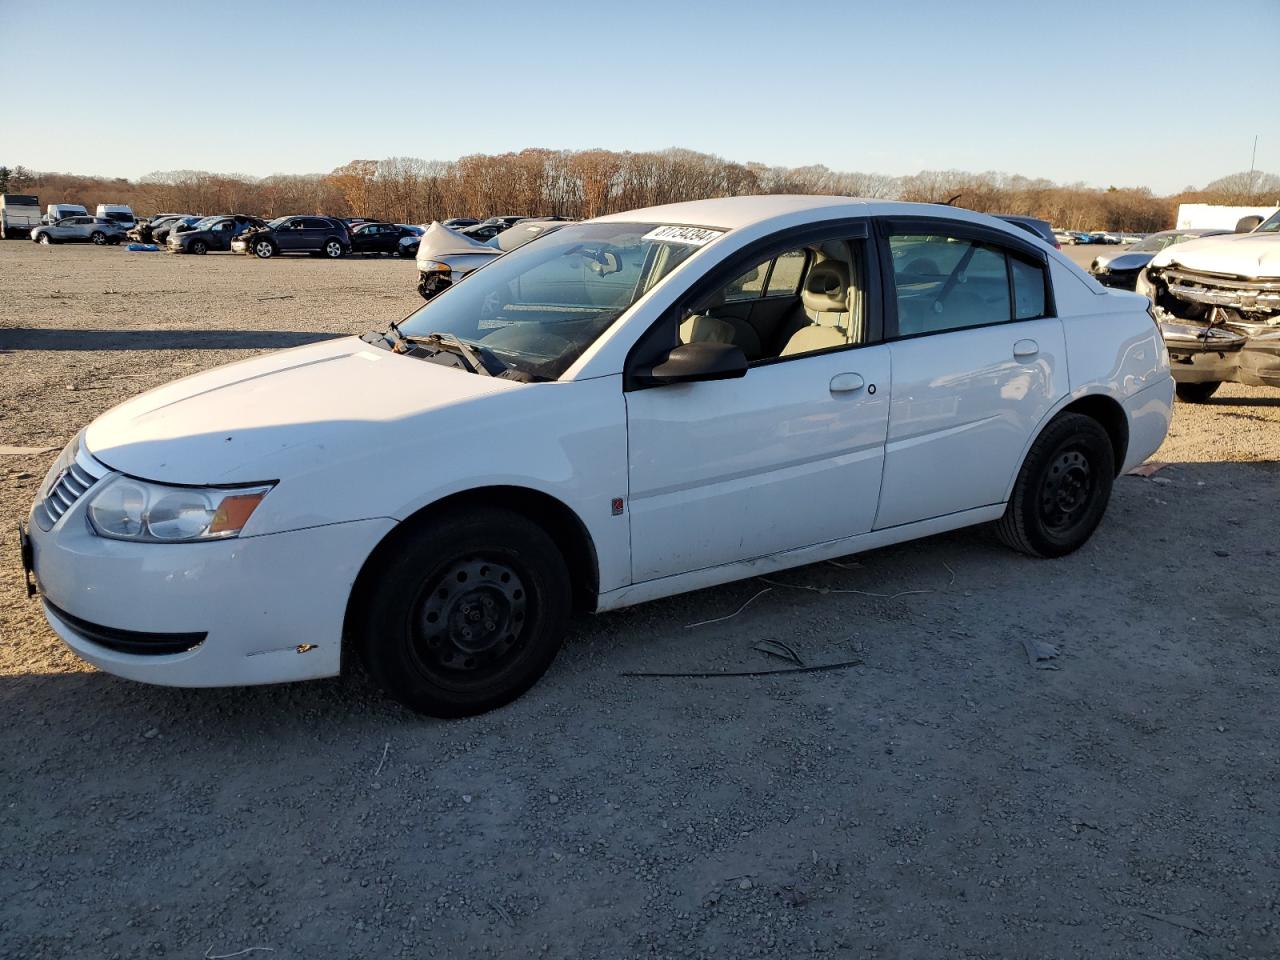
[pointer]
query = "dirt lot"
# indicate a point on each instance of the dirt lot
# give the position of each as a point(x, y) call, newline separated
point(945, 799)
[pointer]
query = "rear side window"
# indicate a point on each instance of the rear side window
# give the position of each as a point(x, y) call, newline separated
point(948, 283)
point(1028, 289)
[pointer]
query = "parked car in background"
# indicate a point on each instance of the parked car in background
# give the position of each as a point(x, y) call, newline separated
point(408, 246)
point(637, 406)
point(482, 232)
point(146, 230)
point(19, 215)
point(445, 257)
point(60, 211)
point(1034, 226)
point(1102, 236)
point(321, 236)
point(375, 237)
point(212, 233)
point(1064, 238)
point(1120, 268)
point(119, 213)
point(160, 233)
point(96, 230)
point(457, 223)
point(1217, 300)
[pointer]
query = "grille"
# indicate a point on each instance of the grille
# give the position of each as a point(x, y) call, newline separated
point(67, 489)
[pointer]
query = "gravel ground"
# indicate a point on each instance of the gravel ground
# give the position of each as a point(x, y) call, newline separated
point(944, 799)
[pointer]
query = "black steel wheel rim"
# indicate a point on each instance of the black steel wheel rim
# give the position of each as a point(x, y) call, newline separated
point(1067, 490)
point(470, 621)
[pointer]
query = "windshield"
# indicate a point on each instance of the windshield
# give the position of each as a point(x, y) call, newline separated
point(207, 223)
point(539, 307)
point(1269, 225)
point(1157, 242)
point(120, 217)
point(273, 224)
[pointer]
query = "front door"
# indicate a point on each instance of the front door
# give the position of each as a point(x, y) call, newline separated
point(786, 456)
point(292, 237)
point(978, 364)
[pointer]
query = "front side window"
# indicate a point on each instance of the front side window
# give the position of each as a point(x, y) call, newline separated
point(950, 283)
point(537, 308)
point(807, 300)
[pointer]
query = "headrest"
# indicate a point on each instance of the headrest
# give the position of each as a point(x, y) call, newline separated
point(826, 288)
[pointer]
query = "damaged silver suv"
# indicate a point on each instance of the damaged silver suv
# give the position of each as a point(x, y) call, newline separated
point(1218, 304)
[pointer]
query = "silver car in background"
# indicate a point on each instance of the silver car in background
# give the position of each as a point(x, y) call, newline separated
point(446, 256)
point(80, 229)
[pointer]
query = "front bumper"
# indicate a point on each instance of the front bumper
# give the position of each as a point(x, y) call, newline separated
point(1236, 353)
point(265, 609)
point(239, 245)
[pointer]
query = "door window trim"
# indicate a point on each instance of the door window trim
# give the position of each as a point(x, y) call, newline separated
point(1007, 243)
point(649, 346)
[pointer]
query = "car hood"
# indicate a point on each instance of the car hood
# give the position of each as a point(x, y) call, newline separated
point(1243, 255)
point(284, 412)
point(1124, 261)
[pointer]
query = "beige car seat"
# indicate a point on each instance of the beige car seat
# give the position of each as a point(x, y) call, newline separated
point(830, 302)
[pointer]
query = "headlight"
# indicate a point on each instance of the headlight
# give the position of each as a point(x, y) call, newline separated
point(128, 509)
point(433, 266)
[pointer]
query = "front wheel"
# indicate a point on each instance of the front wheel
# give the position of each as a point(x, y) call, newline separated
point(199, 247)
point(98, 237)
point(332, 250)
point(263, 249)
point(1062, 490)
point(1196, 392)
point(45, 239)
point(467, 614)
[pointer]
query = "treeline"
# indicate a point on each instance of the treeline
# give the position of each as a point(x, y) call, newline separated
point(588, 183)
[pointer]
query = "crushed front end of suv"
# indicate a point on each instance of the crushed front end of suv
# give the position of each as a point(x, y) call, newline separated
point(1217, 301)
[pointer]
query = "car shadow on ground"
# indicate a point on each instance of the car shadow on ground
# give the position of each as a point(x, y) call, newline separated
point(1242, 402)
point(13, 339)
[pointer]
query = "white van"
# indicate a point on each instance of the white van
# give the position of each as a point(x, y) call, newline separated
point(119, 213)
point(60, 211)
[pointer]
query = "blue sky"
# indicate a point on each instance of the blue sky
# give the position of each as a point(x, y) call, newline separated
point(1154, 94)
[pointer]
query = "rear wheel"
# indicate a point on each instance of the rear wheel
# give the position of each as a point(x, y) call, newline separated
point(98, 237)
point(1197, 392)
point(467, 615)
point(1062, 490)
point(263, 249)
point(332, 249)
point(199, 247)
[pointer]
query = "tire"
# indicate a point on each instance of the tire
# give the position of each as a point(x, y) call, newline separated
point(264, 249)
point(332, 249)
point(1062, 490)
point(514, 574)
point(45, 240)
point(199, 247)
point(1196, 392)
point(98, 237)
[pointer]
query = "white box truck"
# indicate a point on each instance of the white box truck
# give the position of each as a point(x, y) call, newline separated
point(19, 215)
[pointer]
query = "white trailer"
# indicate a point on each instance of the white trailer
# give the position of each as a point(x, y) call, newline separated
point(19, 215)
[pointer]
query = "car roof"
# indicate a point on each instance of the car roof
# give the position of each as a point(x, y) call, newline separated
point(733, 213)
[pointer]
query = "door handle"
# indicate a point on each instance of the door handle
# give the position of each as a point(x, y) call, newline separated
point(846, 383)
point(1025, 348)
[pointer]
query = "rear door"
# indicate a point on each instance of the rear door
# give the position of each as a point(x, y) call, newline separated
point(979, 359)
point(221, 233)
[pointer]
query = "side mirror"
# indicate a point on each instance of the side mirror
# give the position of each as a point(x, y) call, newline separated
point(694, 362)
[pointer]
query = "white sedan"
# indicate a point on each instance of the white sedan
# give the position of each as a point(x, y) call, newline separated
point(628, 408)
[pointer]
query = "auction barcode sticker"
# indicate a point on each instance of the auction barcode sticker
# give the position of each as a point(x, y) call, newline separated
point(693, 236)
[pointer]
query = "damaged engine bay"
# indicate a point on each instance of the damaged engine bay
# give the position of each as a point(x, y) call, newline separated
point(1217, 327)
